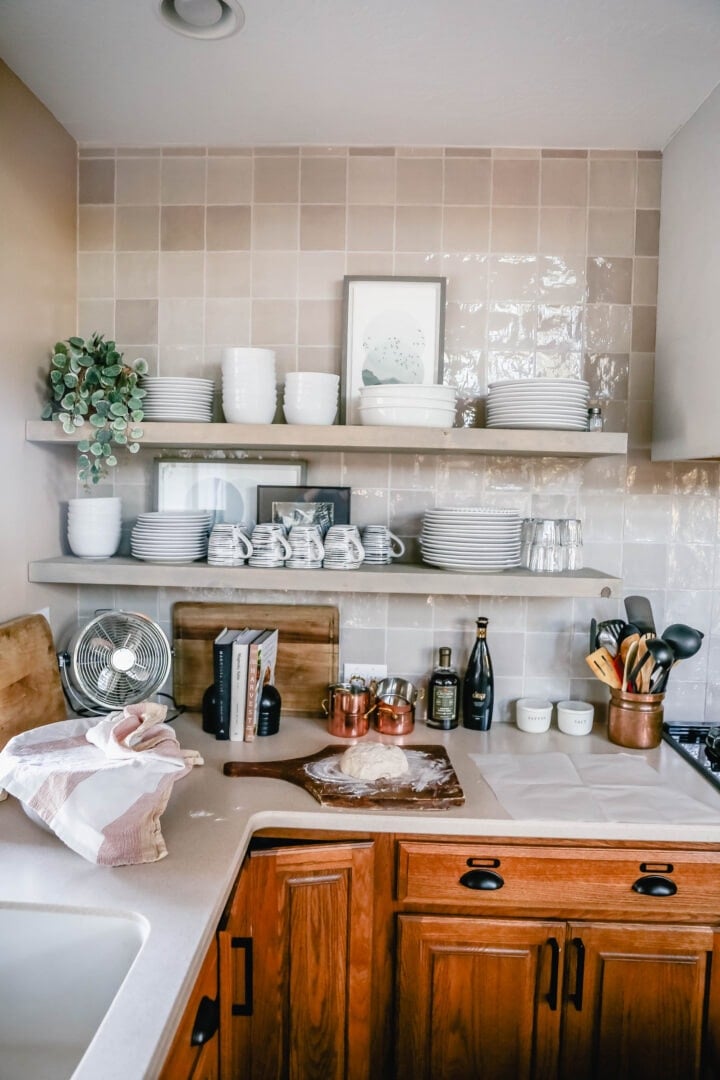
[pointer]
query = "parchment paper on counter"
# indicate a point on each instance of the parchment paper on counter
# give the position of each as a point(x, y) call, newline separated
point(600, 787)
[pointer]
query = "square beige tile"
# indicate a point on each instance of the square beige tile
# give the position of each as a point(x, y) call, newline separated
point(96, 275)
point(324, 358)
point(274, 322)
point(181, 321)
point(608, 328)
point(182, 228)
point(562, 279)
point(229, 180)
point(96, 228)
point(227, 321)
point(466, 326)
point(467, 181)
point(514, 230)
point(371, 179)
point(564, 182)
point(563, 231)
point(643, 329)
point(649, 183)
point(645, 282)
point(137, 228)
point(275, 228)
point(323, 179)
point(515, 183)
point(182, 180)
point(611, 232)
point(182, 273)
point(136, 275)
point(276, 180)
point(322, 228)
point(609, 280)
point(513, 277)
point(466, 228)
point(370, 228)
point(467, 276)
point(419, 180)
point(612, 182)
point(376, 262)
point(275, 274)
point(559, 327)
point(511, 325)
point(319, 323)
point(418, 228)
point(183, 361)
point(136, 322)
point(137, 181)
point(96, 315)
point(642, 376)
point(227, 273)
point(320, 275)
point(647, 232)
point(228, 228)
point(96, 181)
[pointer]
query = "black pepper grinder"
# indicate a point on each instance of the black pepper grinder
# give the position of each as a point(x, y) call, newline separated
point(269, 714)
point(478, 685)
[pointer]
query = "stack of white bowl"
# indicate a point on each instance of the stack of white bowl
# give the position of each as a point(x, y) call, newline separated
point(249, 392)
point(311, 397)
point(408, 405)
point(94, 527)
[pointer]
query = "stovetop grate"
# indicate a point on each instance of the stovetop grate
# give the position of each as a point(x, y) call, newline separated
point(689, 741)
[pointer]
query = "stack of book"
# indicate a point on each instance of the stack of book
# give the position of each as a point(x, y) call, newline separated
point(244, 662)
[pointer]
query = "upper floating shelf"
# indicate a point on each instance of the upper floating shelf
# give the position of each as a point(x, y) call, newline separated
point(339, 437)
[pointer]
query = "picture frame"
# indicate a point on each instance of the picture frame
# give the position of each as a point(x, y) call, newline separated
point(393, 332)
point(226, 488)
point(288, 506)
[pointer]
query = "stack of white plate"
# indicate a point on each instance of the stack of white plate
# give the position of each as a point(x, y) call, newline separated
point(171, 536)
point(173, 399)
point(559, 404)
point(471, 538)
point(408, 405)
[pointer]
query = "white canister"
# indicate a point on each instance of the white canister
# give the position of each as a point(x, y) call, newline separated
point(533, 714)
point(575, 717)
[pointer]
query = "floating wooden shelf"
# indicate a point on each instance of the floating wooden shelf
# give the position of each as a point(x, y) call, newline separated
point(399, 578)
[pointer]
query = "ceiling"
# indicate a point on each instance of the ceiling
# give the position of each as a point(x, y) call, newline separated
point(554, 73)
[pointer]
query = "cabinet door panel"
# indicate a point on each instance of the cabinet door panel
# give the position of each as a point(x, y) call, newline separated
point(308, 912)
point(642, 1002)
point(473, 998)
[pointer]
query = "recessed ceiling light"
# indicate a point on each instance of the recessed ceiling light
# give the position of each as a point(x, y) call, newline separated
point(202, 18)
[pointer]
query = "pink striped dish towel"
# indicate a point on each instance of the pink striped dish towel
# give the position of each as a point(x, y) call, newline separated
point(100, 786)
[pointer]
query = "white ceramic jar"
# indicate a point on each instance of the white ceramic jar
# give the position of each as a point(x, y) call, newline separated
point(575, 717)
point(533, 715)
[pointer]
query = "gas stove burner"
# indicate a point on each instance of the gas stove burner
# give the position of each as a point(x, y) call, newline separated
point(712, 745)
point(699, 744)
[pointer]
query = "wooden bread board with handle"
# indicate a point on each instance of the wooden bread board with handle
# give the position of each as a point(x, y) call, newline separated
point(31, 693)
point(308, 649)
point(430, 784)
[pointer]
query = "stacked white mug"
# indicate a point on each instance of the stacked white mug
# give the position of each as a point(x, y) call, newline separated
point(311, 397)
point(94, 527)
point(249, 392)
point(343, 548)
point(307, 548)
point(381, 545)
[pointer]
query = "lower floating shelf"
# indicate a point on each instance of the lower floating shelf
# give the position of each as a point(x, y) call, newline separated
point(401, 578)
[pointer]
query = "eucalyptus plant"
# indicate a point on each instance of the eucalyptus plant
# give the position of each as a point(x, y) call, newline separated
point(89, 383)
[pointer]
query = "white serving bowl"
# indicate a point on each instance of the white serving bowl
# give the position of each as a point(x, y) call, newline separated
point(409, 391)
point(260, 412)
point(407, 416)
point(311, 413)
point(400, 402)
point(316, 380)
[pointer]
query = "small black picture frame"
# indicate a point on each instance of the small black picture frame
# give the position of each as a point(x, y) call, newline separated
point(288, 506)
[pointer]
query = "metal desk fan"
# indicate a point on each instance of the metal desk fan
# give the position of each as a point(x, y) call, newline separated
point(116, 659)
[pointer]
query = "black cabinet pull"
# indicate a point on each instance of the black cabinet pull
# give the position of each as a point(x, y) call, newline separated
point(207, 1020)
point(482, 879)
point(552, 995)
point(246, 1009)
point(655, 886)
point(577, 996)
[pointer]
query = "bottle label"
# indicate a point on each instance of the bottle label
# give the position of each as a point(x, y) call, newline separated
point(479, 695)
point(444, 704)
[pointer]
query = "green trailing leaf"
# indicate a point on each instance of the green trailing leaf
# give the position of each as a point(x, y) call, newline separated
point(70, 379)
point(141, 366)
point(104, 436)
point(102, 409)
point(136, 433)
point(60, 347)
point(106, 450)
point(139, 392)
point(111, 460)
point(76, 342)
point(138, 416)
point(113, 371)
point(118, 408)
point(120, 438)
point(133, 447)
point(96, 397)
point(47, 412)
point(56, 376)
point(97, 421)
point(119, 425)
point(68, 401)
point(68, 427)
point(78, 421)
point(83, 447)
point(96, 449)
point(74, 364)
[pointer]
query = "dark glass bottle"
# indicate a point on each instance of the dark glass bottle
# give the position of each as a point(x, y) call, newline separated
point(269, 714)
point(444, 694)
point(478, 683)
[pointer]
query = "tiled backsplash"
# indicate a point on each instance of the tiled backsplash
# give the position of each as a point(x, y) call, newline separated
point(551, 266)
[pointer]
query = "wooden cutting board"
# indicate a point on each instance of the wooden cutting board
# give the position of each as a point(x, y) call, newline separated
point(308, 651)
point(31, 693)
point(431, 783)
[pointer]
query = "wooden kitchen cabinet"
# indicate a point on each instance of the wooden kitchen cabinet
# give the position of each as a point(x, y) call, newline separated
point(295, 965)
point(195, 1052)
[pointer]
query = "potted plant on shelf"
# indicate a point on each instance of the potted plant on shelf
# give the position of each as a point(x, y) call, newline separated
point(89, 383)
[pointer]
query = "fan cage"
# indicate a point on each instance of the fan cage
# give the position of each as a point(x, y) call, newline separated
point(119, 658)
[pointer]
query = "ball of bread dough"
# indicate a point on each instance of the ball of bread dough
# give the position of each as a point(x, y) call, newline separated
point(374, 761)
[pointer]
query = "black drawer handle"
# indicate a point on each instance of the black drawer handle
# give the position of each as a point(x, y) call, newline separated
point(655, 886)
point(482, 879)
point(206, 1022)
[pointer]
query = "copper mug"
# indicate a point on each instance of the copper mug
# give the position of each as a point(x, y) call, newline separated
point(348, 708)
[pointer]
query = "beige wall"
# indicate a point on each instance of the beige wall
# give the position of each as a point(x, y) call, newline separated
point(38, 289)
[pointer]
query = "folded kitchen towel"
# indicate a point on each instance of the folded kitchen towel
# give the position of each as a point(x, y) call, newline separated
point(100, 785)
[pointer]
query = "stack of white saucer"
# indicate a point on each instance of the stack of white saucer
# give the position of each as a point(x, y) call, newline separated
point(166, 536)
point(177, 399)
point(249, 391)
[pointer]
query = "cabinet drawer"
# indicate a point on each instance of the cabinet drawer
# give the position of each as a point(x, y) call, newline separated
point(573, 881)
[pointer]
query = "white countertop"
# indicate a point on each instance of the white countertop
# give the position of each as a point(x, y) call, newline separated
point(207, 827)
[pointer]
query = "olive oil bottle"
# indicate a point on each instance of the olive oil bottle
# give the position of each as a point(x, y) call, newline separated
point(478, 685)
point(444, 694)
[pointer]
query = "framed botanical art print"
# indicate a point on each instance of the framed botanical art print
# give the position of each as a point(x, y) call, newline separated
point(393, 332)
point(288, 506)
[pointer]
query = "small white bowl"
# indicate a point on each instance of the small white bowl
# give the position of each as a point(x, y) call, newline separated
point(410, 416)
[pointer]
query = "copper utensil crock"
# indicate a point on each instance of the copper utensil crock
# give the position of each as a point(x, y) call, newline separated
point(635, 720)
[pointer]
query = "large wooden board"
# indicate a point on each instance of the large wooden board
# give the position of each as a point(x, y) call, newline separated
point(31, 693)
point(307, 660)
point(430, 783)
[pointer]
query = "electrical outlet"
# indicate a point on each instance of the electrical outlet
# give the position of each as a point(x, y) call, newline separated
point(365, 671)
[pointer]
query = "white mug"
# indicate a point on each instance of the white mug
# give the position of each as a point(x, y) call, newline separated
point(305, 543)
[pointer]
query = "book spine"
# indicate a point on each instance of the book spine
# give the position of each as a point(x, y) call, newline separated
point(252, 691)
point(238, 692)
point(222, 663)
